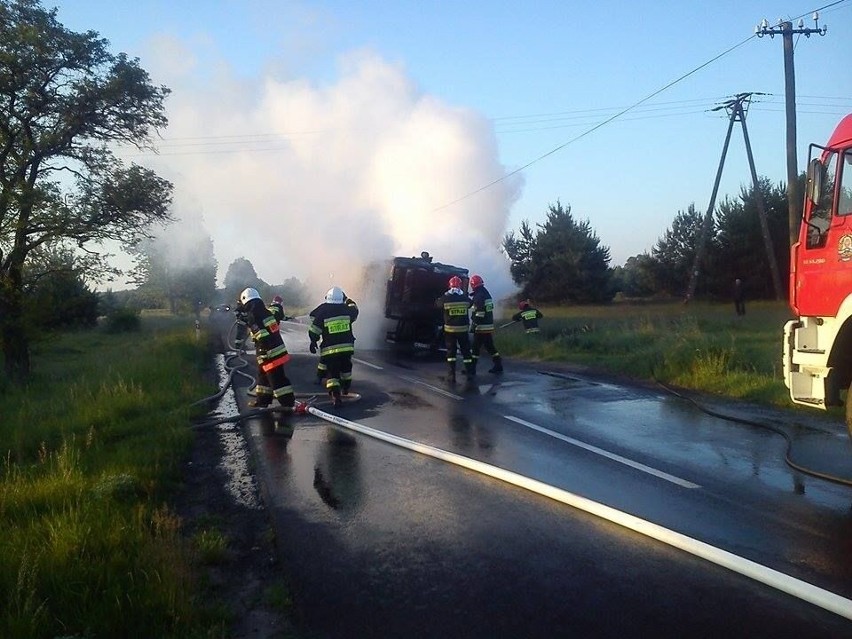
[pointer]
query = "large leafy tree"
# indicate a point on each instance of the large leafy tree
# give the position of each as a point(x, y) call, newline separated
point(64, 102)
point(179, 274)
point(563, 261)
point(240, 275)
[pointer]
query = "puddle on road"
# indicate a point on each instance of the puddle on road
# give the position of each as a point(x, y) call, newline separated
point(235, 457)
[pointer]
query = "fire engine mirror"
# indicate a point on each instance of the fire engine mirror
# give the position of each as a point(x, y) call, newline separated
point(816, 173)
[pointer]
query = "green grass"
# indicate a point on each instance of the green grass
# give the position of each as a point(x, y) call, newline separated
point(91, 449)
point(700, 346)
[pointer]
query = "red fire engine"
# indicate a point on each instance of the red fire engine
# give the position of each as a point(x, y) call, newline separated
point(818, 344)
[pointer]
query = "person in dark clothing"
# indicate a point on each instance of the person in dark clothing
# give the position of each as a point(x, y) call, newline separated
point(739, 297)
point(455, 305)
point(271, 352)
point(482, 324)
point(529, 316)
point(277, 308)
point(331, 330)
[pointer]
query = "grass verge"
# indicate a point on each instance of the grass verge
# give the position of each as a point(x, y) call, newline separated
point(91, 449)
point(701, 346)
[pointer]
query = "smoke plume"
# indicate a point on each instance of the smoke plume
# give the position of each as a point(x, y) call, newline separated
point(317, 181)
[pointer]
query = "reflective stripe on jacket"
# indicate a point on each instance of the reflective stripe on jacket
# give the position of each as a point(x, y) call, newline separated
point(483, 310)
point(455, 305)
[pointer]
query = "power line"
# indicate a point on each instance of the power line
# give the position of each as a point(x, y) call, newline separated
point(649, 110)
point(595, 127)
point(620, 113)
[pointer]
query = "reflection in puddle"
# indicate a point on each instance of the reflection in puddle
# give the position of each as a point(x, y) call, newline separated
point(235, 456)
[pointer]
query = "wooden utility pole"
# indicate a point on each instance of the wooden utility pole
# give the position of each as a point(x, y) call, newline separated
point(786, 30)
point(737, 113)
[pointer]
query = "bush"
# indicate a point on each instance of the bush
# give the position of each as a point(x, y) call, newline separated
point(122, 320)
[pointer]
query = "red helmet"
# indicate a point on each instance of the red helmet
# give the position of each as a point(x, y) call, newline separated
point(277, 300)
point(455, 282)
point(476, 281)
point(523, 304)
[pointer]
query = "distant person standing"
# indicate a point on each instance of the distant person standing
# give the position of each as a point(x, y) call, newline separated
point(529, 316)
point(482, 324)
point(456, 304)
point(739, 297)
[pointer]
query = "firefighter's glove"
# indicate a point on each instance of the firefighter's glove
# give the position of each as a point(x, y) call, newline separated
point(313, 347)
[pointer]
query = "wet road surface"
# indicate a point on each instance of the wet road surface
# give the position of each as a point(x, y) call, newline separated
point(381, 541)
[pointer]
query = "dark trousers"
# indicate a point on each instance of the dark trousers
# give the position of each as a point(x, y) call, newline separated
point(339, 373)
point(274, 383)
point(486, 341)
point(458, 342)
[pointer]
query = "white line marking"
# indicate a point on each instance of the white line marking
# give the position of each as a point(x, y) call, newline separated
point(600, 451)
point(440, 391)
point(785, 583)
point(366, 363)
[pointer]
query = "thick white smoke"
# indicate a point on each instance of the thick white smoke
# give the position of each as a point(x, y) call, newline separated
point(317, 181)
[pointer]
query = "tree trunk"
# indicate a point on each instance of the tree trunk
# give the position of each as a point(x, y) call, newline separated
point(16, 345)
point(16, 350)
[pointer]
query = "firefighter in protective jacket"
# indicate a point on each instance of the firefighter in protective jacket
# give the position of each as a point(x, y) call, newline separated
point(456, 325)
point(272, 381)
point(277, 308)
point(529, 316)
point(482, 324)
point(331, 327)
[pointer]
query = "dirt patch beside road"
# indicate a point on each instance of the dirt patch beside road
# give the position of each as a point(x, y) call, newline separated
point(245, 578)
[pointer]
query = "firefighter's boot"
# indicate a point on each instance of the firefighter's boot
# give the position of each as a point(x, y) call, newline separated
point(451, 375)
point(336, 401)
point(261, 401)
point(498, 366)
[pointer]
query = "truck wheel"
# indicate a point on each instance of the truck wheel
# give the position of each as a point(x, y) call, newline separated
point(848, 409)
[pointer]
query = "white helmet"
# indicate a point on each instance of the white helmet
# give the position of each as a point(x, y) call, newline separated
point(249, 294)
point(334, 295)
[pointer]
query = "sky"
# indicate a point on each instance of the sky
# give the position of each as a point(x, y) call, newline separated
point(315, 137)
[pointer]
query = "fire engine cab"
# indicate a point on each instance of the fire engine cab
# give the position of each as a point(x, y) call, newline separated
point(818, 343)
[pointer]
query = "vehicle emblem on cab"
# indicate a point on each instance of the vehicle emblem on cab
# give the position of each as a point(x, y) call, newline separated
point(844, 248)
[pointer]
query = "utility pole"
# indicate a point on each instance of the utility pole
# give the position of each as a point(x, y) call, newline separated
point(737, 113)
point(786, 30)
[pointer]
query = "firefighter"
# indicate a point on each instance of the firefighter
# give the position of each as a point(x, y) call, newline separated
point(529, 316)
point(482, 324)
point(272, 381)
point(455, 305)
point(331, 330)
point(277, 308)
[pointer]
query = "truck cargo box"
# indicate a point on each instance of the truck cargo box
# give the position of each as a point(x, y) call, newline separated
point(413, 285)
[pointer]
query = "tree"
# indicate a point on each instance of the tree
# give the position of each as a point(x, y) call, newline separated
point(563, 262)
point(56, 291)
point(740, 248)
point(177, 272)
point(674, 254)
point(241, 274)
point(64, 100)
point(636, 277)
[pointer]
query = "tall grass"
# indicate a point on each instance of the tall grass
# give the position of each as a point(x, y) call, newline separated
point(701, 346)
point(91, 447)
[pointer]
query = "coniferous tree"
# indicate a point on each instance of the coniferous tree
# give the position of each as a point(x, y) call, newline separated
point(563, 261)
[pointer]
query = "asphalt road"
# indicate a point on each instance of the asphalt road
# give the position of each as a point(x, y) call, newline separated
point(380, 540)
